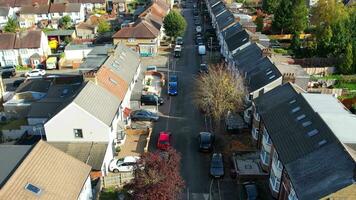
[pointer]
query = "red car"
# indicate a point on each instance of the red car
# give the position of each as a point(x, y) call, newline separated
point(164, 140)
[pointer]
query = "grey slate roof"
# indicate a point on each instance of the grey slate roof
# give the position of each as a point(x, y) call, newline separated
point(230, 31)
point(317, 165)
point(124, 62)
point(321, 172)
point(101, 50)
point(249, 54)
point(259, 73)
point(11, 157)
point(237, 40)
point(88, 152)
point(98, 102)
point(225, 19)
point(34, 85)
point(92, 63)
point(278, 95)
point(219, 8)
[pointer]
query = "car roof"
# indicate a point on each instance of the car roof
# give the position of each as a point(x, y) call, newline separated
point(163, 136)
point(130, 159)
point(151, 66)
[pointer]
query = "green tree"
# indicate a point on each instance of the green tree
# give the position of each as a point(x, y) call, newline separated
point(65, 22)
point(259, 23)
point(299, 20)
point(328, 12)
point(11, 25)
point(346, 61)
point(270, 6)
point(283, 16)
point(323, 39)
point(104, 26)
point(174, 24)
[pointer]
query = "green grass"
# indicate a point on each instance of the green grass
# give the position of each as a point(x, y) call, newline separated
point(22, 68)
point(14, 124)
point(280, 51)
point(349, 86)
point(108, 194)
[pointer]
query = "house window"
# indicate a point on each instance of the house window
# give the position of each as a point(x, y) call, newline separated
point(112, 81)
point(266, 137)
point(264, 156)
point(78, 133)
point(292, 195)
point(131, 40)
point(257, 116)
point(39, 15)
point(22, 24)
point(120, 135)
point(276, 161)
point(255, 133)
point(274, 181)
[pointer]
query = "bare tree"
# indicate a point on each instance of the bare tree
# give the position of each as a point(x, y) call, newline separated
point(219, 91)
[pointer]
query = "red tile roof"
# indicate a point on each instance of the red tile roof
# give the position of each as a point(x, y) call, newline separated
point(20, 3)
point(7, 3)
point(7, 40)
point(64, 7)
point(29, 39)
point(141, 29)
point(112, 82)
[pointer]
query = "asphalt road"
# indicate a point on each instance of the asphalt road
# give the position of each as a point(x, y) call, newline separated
point(184, 121)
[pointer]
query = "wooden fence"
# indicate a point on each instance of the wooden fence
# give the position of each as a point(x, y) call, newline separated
point(117, 180)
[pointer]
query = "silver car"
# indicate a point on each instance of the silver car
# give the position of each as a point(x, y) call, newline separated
point(143, 115)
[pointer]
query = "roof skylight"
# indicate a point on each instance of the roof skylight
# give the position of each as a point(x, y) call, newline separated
point(300, 117)
point(296, 109)
point(313, 132)
point(307, 123)
point(32, 188)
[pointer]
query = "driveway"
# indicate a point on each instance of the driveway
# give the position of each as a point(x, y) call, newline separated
point(182, 118)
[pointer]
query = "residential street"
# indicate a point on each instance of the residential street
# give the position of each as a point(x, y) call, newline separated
point(181, 117)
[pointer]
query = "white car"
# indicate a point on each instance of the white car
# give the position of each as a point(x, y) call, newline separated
point(198, 29)
point(35, 72)
point(126, 164)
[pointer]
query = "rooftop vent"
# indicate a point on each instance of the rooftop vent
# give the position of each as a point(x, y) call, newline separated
point(322, 142)
point(269, 72)
point(307, 123)
point(293, 101)
point(32, 188)
point(296, 109)
point(300, 117)
point(271, 77)
point(313, 132)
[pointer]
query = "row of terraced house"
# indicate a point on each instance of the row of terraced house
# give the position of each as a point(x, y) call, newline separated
point(306, 142)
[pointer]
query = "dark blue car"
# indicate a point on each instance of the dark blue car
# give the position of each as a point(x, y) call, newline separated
point(173, 85)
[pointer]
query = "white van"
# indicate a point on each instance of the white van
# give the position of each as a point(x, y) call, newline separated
point(201, 49)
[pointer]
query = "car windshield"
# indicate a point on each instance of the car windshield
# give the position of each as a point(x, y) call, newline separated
point(205, 139)
point(163, 142)
point(173, 79)
point(173, 85)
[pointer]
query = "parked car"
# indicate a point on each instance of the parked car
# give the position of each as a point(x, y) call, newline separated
point(35, 72)
point(151, 99)
point(177, 51)
point(250, 190)
point(203, 68)
point(151, 68)
point(217, 165)
point(8, 71)
point(143, 115)
point(164, 140)
point(173, 85)
point(201, 50)
point(126, 164)
point(179, 41)
point(199, 41)
point(206, 141)
point(195, 12)
point(198, 29)
point(197, 22)
point(17, 83)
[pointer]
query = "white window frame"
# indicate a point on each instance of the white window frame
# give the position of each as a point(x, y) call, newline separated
point(255, 133)
point(274, 181)
point(256, 116)
point(276, 161)
point(266, 137)
point(292, 195)
point(265, 156)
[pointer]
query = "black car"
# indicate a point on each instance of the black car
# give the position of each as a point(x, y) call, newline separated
point(217, 166)
point(203, 68)
point(197, 22)
point(250, 191)
point(8, 71)
point(195, 12)
point(17, 83)
point(151, 99)
point(143, 115)
point(200, 41)
point(206, 141)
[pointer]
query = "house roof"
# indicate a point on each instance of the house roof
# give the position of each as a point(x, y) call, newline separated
point(231, 30)
point(141, 29)
point(97, 101)
point(60, 33)
point(28, 39)
point(92, 63)
point(33, 10)
point(85, 26)
point(4, 11)
point(249, 54)
point(218, 9)
point(260, 73)
point(7, 40)
point(34, 85)
point(237, 40)
point(213, 2)
point(121, 68)
point(91, 153)
point(21, 3)
point(64, 7)
point(272, 98)
point(7, 3)
point(101, 50)
point(339, 119)
point(58, 175)
point(10, 163)
point(225, 19)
